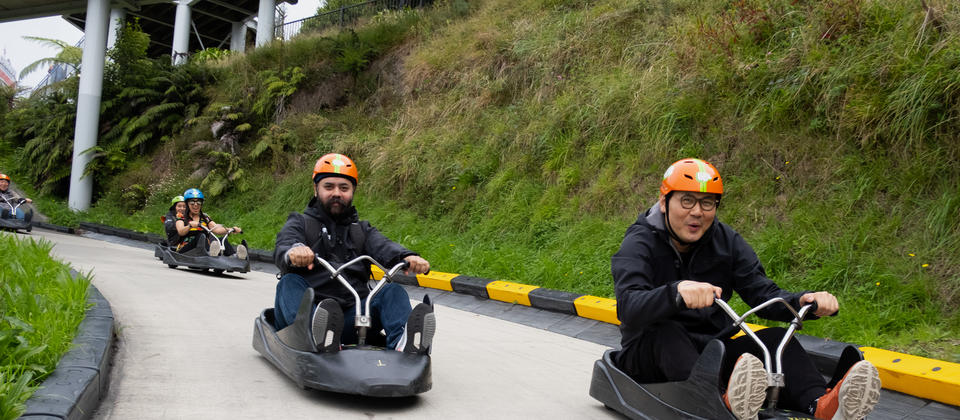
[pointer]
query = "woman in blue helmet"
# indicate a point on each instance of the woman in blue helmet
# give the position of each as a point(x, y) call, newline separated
point(190, 229)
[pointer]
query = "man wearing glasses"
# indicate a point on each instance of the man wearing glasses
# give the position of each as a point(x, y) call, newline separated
point(673, 261)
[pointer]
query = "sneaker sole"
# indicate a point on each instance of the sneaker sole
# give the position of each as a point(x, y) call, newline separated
point(242, 252)
point(747, 388)
point(214, 249)
point(325, 338)
point(859, 392)
point(429, 328)
point(420, 328)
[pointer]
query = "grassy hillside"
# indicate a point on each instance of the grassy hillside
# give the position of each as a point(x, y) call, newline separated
point(518, 139)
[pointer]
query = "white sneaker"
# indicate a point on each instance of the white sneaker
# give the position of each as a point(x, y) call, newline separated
point(747, 388)
point(854, 396)
point(241, 252)
point(214, 250)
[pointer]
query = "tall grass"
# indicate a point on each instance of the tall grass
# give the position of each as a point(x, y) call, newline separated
point(41, 305)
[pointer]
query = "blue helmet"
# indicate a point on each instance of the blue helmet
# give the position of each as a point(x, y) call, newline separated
point(192, 193)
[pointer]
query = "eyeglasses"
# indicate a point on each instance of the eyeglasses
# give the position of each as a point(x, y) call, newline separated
point(194, 202)
point(706, 203)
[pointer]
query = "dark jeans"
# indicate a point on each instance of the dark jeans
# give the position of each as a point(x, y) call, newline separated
point(202, 241)
point(6, 214)
point(389, 311)
point(667, 353)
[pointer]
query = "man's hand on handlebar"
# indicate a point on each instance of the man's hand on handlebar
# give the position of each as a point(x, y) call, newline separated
point(417, 265)
point(697, 294)
point(301, 256)
point(826, 303)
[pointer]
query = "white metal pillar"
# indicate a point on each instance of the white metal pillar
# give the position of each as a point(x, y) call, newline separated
point(181, 33)
point(117, 15)
point(238, 37)
point(88, 101)
point(265, 17)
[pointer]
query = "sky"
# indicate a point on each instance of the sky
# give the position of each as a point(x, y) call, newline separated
point(22, 52)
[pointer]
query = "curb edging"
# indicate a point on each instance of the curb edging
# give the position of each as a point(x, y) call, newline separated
point(82, 377)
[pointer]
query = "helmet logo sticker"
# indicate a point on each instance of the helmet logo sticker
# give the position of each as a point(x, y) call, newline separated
point(337, 164)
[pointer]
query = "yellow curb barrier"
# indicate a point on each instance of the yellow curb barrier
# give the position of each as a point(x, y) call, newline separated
point(597, 308)
point(505, 291)
point(437, 280)
point(932, 379)
point(433, 280)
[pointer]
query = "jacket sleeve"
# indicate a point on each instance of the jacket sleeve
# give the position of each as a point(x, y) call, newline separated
point(292, 234)
point(753, 285)
point(381, 248)
point(641, 298)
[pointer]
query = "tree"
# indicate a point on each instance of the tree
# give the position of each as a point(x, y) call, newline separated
point(69, 55)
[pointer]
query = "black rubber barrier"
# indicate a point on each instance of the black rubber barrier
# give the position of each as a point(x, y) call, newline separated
point(475, 286)
point(260, 255)
point(553, 300)
point(82, 378)
point(405, 279)
point(57, 228)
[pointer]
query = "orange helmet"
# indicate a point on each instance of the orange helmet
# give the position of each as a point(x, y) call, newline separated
point(691, 175)
point(335, 164)
point(4, 176)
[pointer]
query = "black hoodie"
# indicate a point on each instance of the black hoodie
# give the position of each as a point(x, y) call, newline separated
point(647, 268)
point(336, 246)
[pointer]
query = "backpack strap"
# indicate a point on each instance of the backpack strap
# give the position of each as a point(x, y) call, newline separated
point(358, 237)
point(312, 228)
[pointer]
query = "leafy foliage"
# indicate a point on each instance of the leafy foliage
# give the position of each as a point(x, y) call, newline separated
point(149, 101)
point(41, 128)
point(210, 55)
point(275, 88)
point(216, 160)
point(7, 96)
point(145, 102)
point(69, 55)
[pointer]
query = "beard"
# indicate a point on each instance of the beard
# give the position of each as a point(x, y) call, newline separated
point(335, 206)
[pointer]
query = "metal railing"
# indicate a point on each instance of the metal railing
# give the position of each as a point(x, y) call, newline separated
point(58, 72)
point(344, 16)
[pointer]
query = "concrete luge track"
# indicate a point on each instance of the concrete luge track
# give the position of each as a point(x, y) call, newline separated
point(185, 352)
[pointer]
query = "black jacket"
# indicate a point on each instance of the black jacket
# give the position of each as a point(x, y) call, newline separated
point(170, 228)
point(337, 248)
point(647, 268)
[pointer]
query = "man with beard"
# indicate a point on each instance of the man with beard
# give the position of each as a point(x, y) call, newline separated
point(330, 228)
